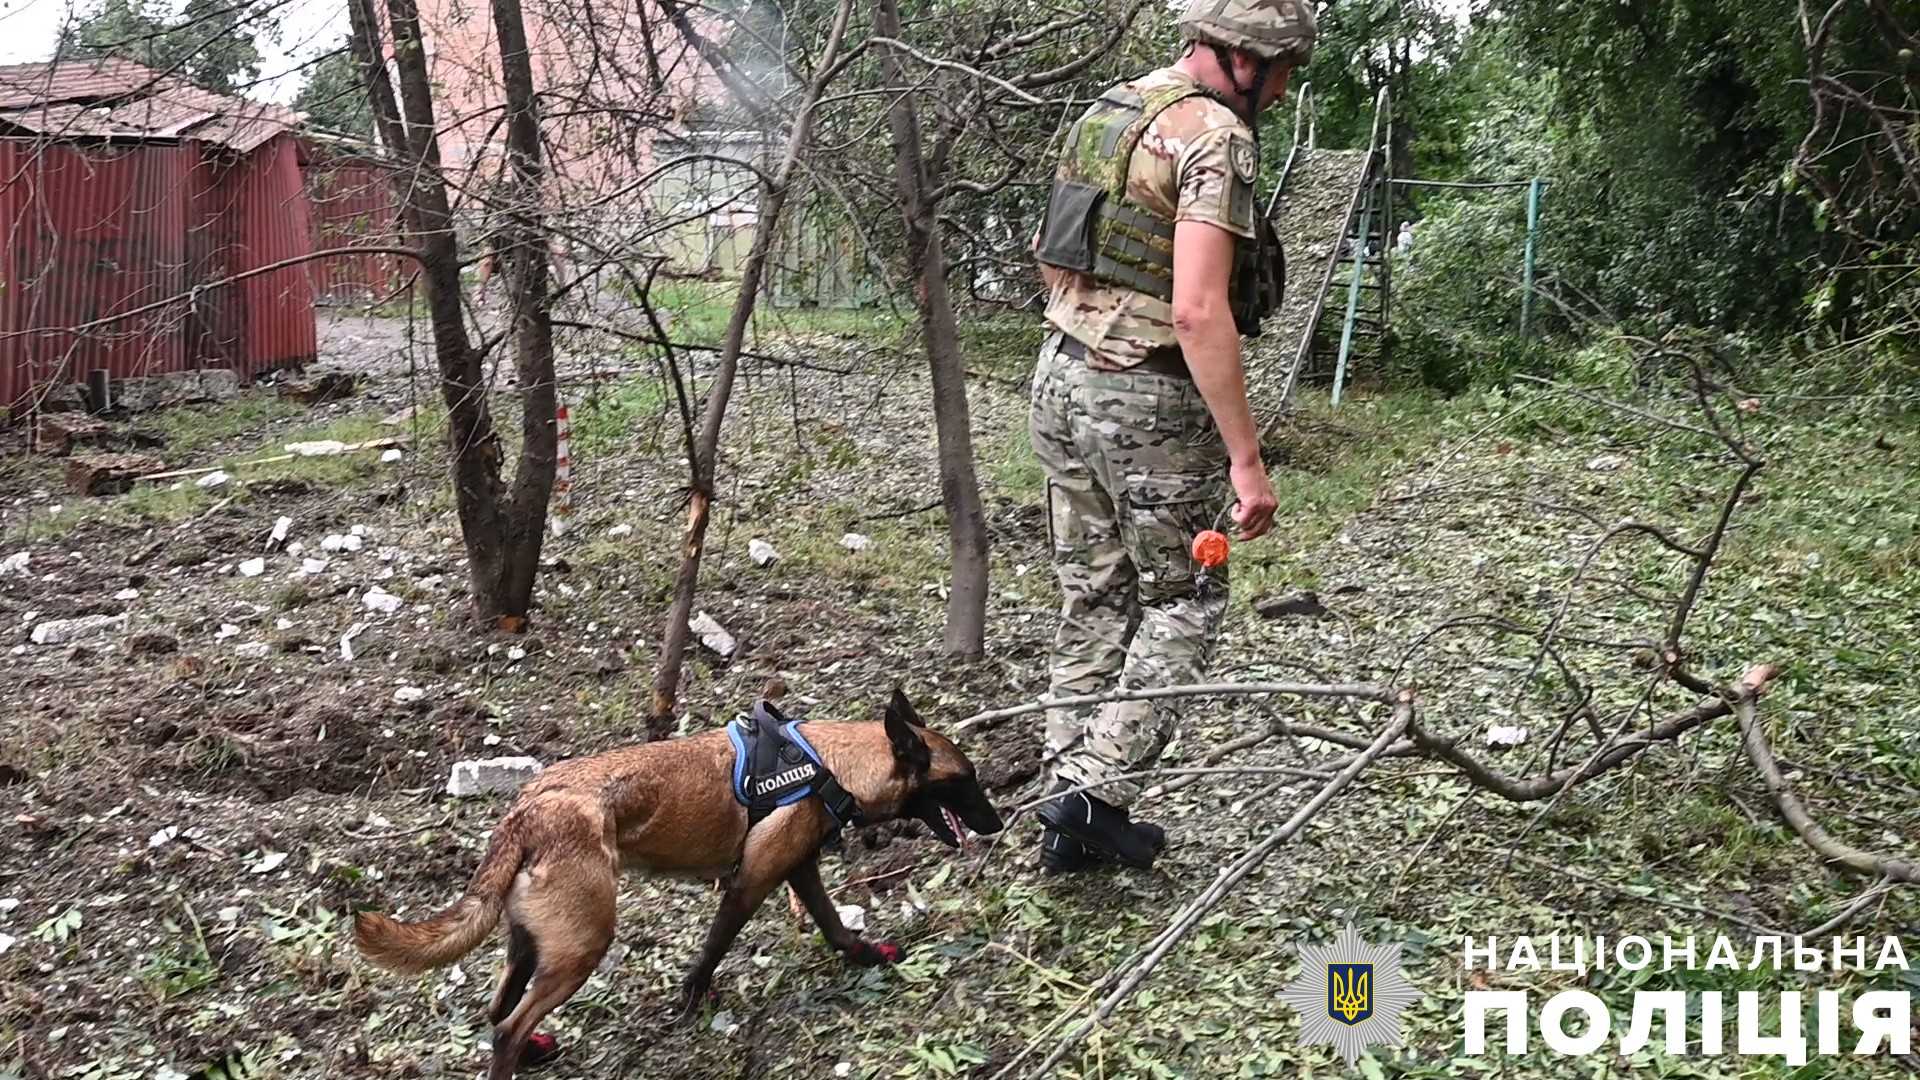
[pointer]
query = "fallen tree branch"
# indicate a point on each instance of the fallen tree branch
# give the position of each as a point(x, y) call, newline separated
point(1847, 914)
point(1621, 890)
point(390, 443)
point(1514, 789)
point(1190, 771)
point(1370, 691)
point(1828, 846)
point(1230, 876)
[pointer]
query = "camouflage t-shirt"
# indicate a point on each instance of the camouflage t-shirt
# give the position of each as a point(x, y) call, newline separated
point(1195, 162)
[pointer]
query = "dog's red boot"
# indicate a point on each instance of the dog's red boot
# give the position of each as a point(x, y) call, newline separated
point(876, 953)
point(541, 1049)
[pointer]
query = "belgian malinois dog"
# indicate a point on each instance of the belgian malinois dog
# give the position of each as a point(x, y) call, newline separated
point(669, 808)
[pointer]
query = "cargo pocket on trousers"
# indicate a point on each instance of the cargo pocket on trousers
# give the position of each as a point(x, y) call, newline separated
point(1165, 511)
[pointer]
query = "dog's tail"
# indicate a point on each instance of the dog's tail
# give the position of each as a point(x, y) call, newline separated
point(413, 947)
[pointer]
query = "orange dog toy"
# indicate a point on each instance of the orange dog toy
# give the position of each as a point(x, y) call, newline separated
point(1210, 548)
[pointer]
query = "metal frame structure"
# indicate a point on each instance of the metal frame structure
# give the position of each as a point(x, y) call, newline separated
point(1372, 202)
point(1375, 172)
point(1536, 187)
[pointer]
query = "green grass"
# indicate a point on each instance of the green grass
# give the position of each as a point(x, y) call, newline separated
point(696, 312)
point(192, 428)
point(1326, 467)
point(604, 422)
point(188, 430)
point(1009, 467)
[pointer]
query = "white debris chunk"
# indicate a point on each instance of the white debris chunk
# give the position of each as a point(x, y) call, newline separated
point(311, 567)
point(319, 448)
point(268, 862)
point(127, 594)
point(388, 457)
point(163, 837)
point(1500, 735)
point(382, 601)
point(6, 942)
point(346, 639)
point(1606, 463)
point(491, 776)
point(854, 541)
point(226, 631)
point(15, 563)
point(280, 527)
point(212, 480)
point(762, 553)
point(342, 542)
point(61, 631)
point(253, 650)
point(253, 567)
point(712, 634)
point(620, 530)
point(852, 916)
point(407, 695)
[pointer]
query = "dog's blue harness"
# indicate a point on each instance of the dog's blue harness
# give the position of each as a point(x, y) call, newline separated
point(775, 766)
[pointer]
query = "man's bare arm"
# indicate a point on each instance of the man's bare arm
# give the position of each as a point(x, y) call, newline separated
point(1203, 323)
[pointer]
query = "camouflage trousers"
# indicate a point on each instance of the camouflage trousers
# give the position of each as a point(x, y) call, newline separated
point(1135, 467)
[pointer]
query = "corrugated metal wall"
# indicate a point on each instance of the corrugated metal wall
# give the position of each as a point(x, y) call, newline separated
point(353, 204)
point(92, 231)
point(263, 205)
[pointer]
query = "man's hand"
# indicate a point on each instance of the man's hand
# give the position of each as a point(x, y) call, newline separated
point(1254, 512)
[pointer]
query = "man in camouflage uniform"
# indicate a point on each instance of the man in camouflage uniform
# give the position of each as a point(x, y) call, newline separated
point(1155, 264)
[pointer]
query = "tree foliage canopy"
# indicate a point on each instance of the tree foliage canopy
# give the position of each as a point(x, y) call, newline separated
point(212, 43)
point(334, 98)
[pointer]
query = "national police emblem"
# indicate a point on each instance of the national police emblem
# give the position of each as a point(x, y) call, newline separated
point(1350, 996)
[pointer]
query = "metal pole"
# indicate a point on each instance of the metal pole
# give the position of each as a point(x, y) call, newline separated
point(1386, 243)
point(1410, 182)
point(1533, 228)
point(1353, 289)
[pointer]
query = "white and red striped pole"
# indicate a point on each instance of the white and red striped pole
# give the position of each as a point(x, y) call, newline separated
point(562, 470)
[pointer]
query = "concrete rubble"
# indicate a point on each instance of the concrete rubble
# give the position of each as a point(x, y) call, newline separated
point(491, 776)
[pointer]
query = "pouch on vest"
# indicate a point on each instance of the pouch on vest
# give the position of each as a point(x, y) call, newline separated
point(1260, 278)
point(1067, 230)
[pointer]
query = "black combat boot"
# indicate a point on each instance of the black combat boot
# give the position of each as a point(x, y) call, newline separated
point(1084, 830)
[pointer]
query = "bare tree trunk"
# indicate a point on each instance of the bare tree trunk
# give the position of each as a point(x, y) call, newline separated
point(525, 523)
point(926, 261)
point(705, 452)
point(502, 543)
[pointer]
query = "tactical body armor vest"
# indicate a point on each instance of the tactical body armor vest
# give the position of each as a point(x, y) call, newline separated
point(1092, 227)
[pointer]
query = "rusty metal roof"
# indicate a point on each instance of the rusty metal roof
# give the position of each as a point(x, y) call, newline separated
point(119, 99)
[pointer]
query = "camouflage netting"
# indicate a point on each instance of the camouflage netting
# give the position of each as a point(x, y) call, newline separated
point(1308, 221)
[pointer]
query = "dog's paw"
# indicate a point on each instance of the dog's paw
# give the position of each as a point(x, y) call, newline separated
point(876, 953)
point(687, 1005)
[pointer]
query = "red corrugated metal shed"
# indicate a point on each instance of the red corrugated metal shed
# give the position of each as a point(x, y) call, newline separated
point(122, 188)
point(352, 202)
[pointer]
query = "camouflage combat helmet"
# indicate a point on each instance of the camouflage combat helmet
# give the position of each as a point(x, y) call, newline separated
point(1282, 30)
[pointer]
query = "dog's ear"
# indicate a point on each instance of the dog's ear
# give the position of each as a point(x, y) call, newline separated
point(909, 748)
point(901, 707)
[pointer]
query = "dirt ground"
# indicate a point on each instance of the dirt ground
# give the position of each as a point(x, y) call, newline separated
point(194, 805)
